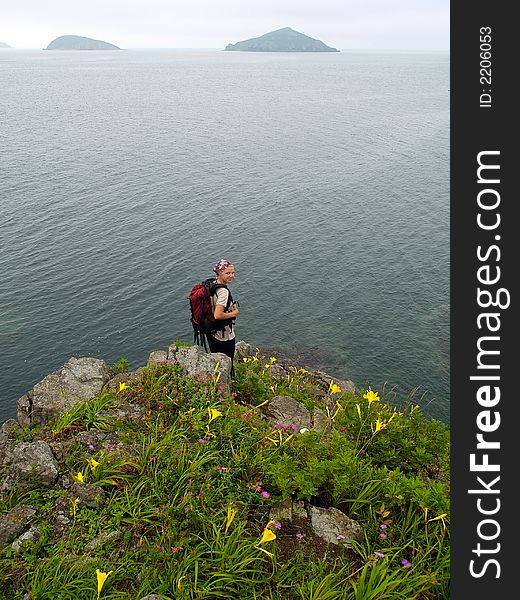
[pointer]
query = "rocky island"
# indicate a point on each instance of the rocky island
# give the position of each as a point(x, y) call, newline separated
point(77, 42)
point(3, 45)
point(282, 40)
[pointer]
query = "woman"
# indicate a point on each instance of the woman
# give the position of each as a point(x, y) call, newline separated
point(223, 340)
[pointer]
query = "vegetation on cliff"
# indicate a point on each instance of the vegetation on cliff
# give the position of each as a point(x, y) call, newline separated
point(194, 493)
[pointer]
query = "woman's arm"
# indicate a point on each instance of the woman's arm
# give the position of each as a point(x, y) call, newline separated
point(219, 312)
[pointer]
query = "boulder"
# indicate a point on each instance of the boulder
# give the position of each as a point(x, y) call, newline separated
point(244, 350)
point(15, 522)
point(195, 362)
point(8, 439)
point(32, 464)
point(334, 526)
point(287, 411)
point(78, 380)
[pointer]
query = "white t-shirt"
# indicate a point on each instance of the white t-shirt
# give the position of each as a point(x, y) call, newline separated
point(228, 333)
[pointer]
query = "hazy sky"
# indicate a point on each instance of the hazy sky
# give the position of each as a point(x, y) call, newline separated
point(344, 24)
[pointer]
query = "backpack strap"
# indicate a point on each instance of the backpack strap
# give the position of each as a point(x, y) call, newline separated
point(213, 290)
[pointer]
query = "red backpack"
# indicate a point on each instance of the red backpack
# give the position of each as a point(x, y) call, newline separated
point(202, 307)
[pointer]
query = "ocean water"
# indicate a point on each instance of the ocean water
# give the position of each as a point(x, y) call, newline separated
point(325, 178)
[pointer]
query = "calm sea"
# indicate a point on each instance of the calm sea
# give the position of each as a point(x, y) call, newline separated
point(325, 178)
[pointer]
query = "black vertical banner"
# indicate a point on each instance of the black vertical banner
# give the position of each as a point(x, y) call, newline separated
point(485, 416)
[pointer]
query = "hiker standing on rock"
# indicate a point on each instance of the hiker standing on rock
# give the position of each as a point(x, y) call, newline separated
point(223, 340)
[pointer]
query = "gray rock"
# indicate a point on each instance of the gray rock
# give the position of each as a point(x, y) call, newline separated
point(287, 411)
point(78, 380)
point(105, 537)
point(153, 597)
point(323, 379)
point(125, 377)
point(32, 465)
point(15, 522)
point(8, 440)
point(334, 526)
point(277, 372)
point(88, 494)
point(28, 536)
point(157, 356)
point(320, 421)
point(125, 412)
point(194, 362)
point(244, 350)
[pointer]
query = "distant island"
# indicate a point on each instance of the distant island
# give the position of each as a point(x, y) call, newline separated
point(2, 45)
point(77, 42)
point(282, 40)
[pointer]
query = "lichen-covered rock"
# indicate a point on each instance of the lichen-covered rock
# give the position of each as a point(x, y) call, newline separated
point(243, 350)
point(8, 439)
point(78, 380)
point(287, 411)
point(197, 363)
point(334, 526)
point(30, 535)
point(15, 522)
point(105, 537)
point(32, 464)
point(88, 494)
point(157, 356)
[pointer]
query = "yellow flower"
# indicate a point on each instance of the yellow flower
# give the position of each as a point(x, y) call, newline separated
point(267, 536)
point(440, 517)
point(231, 512)
point(213, 413)
point(379, 424)
point(74, 503)
point(79, 477)
point(338, 408)
point(371, 396)
point(94, 464)
point(101, 578)
point(122, 386)
point(333, 388)
point(272, 359)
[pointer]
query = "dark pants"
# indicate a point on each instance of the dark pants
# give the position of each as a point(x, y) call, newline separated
point(227, 348)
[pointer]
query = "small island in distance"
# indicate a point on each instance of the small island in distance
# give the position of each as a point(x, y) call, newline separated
point(281, 40)
point(3, 45)
point(77, 42)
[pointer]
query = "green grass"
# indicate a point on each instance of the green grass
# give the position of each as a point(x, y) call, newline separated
point(184, 492)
